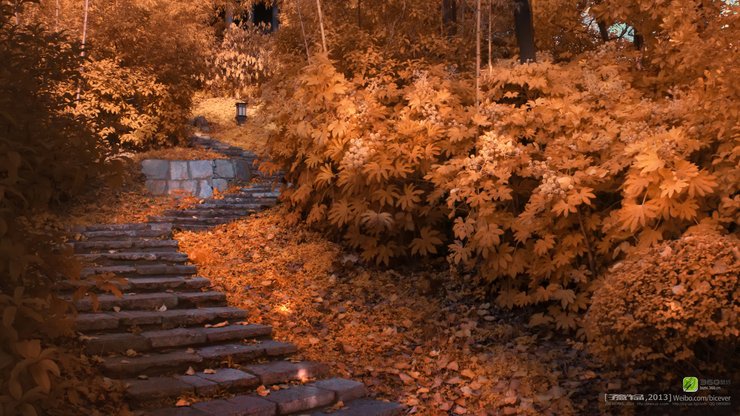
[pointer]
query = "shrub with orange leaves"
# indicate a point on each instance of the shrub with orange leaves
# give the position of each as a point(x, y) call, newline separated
point(672, 307)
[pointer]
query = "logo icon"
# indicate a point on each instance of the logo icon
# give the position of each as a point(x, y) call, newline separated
point(690, 384)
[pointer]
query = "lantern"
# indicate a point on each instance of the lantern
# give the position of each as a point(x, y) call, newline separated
point(241, 112)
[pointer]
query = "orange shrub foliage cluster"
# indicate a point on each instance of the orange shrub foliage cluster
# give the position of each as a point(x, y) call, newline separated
point(564, 167)
point(47, 156)
point(672, 304)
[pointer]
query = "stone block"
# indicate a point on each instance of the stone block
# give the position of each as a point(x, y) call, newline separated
point(179, 170)
point(201, 169)
point(366, 407)
point(300, 399)
point(236, 351)
point(242, 169)
point(156, 187)
point(283, 371)
point(107, 343)
point(175, 187)
point(137, 365)
point(156, 387)
point(232, 332)
point(155, 168)
point(201, 385)
point(254, 406)
point(218, 407)
point(229, 377)
point(177, 411)
point(224, 169)
point(205, 190)
point(221, 184)
point(345, 390)
point(95, 321)
point(174, 337)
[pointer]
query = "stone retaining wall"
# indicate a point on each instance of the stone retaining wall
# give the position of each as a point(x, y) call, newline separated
point(195, 177)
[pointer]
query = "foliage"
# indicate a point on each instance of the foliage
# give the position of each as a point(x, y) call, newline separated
point(242, 60)
point(146, 58)
point(128, 105)
point(672, 307)
point(566, 166)
point(47, 156)
point(358, 152)
point(418, 337)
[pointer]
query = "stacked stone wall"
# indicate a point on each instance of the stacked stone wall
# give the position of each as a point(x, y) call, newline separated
point(193, 177)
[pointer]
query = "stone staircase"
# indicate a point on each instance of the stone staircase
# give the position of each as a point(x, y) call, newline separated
point(171, 335)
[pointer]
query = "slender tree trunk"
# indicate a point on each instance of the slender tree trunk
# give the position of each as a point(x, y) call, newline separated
point(303, 29)
point(229, 14)
point(477, 54)
point(524, 31)
point(84, 26)
point(490, 36)
point(275, 22)
point(603, 30)
point(359, 14)
point(449, 17)
point(84, 40)
point(56, 16)
point(321, 25)
point(638, 40)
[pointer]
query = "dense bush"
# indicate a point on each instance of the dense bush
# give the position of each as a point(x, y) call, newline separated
point(242, 60)
point(672, 307)
point(565, 167)
point(47, 156)
point(359, 151)
point(145, 59)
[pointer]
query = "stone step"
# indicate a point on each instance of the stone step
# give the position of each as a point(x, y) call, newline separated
point(203, 384)
point(177, 221)
point(152, 301)
point(200, 212)
point(125, 245)
point(296, 399)
point(249, 199)
point(158, 363)
point(172, 338)
point(220, 204)
point(139, 270)
point(200, 383)
point(116, 258)
point(283, 371)
point(151, 319)
point(112, 227)
point(262, 194)
point(106, 235)
point(147, 284)
point(365, 407)
point(196, 227)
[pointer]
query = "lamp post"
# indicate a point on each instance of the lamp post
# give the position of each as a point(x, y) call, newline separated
point(241, 112)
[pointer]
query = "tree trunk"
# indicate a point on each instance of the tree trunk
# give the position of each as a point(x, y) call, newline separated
point(490, 36)
point(603, 31)
point(449, 17)
point(56, 16)
point(638, 40)
point(321, 25)
point(84, 39)
point(228, 14)
point(275, 23)
point(477, 55)
point(524, 31)
point(303, 29)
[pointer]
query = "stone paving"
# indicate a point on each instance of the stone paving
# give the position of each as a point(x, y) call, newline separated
point(171, 335)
